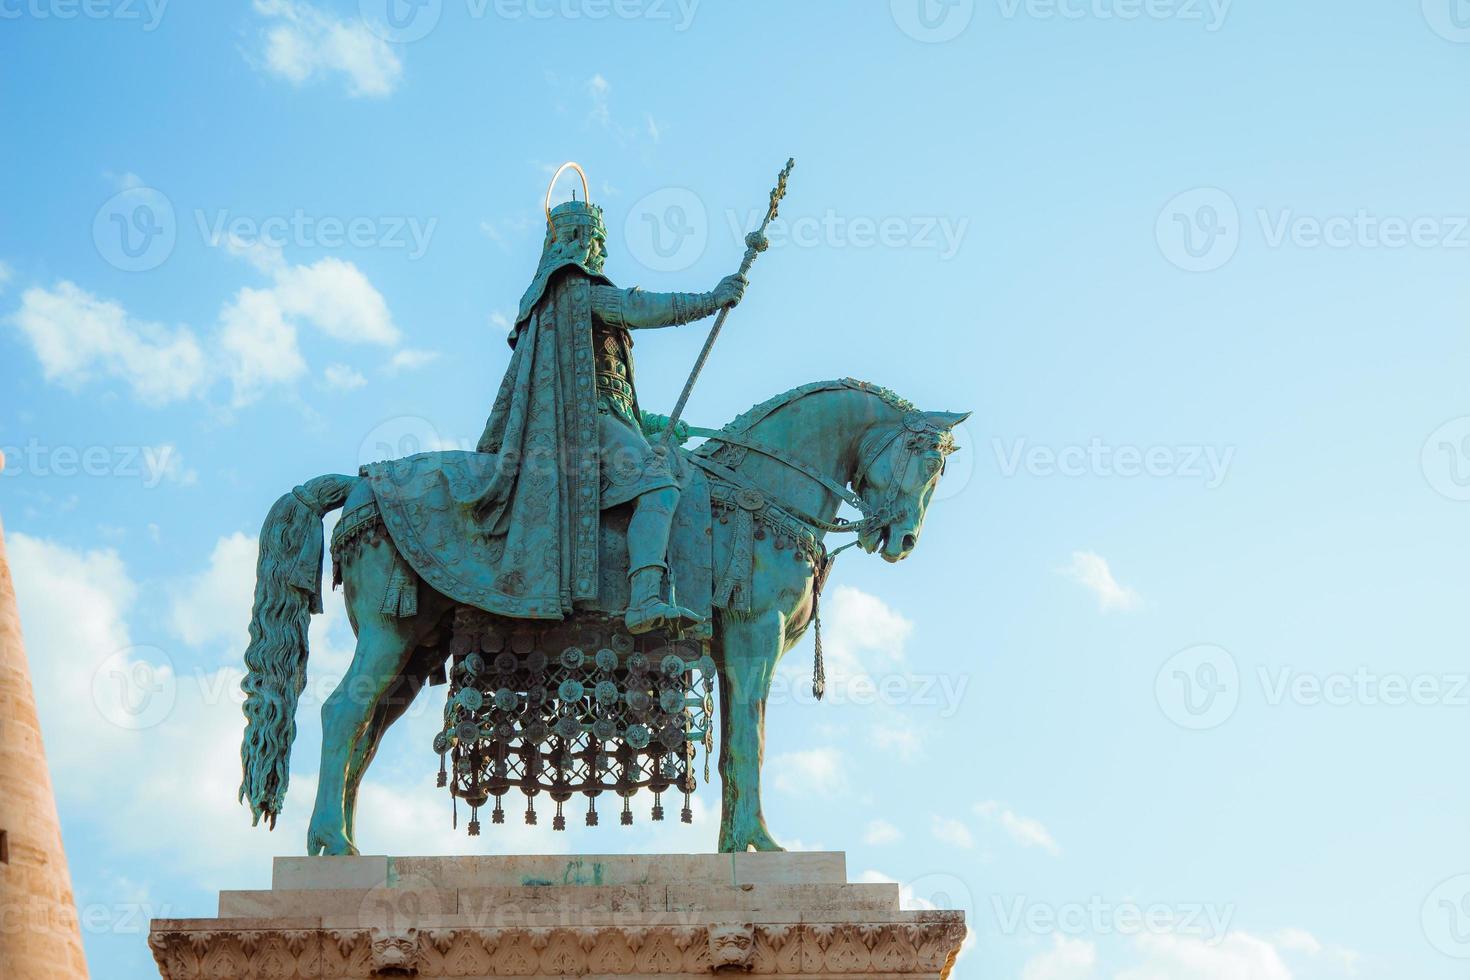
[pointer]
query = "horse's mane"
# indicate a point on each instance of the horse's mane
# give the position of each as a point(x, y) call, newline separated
point(756, 413)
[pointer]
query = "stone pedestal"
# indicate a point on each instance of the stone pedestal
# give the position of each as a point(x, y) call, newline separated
point(671, 915)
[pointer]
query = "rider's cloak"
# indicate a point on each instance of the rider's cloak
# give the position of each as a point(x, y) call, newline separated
point(540, 511)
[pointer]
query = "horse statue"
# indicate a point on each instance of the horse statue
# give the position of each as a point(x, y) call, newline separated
point(764, 492)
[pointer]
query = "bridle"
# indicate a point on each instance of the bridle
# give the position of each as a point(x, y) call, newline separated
point(920, 436)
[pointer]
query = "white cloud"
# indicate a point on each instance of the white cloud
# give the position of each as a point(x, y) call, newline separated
point(336, 298)
point(1092, 572)
point(304, 42)
point(1023, 830)
point(341, 377)
point(78, 337)
point(1068, 959)
point(501, 321)
point(259, 345)
point(214, 606)
point(861, 635)
point(1239, 956)
point(653, 132)
point(905, 743)
point(598, 91)
point(163, 463)
point(809, 773)
point(6, 274)
point(955, 833)
point(410, 359)
point(881, 832)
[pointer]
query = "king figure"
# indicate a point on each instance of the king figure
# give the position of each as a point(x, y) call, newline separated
point(567, 428)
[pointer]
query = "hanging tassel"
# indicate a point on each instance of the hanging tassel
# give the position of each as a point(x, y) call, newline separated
point(687, 814)
point(658, 806)
point(627, 817)
point(474, 821)
point(592, 811)
point(497, 815)
point(530, 812)
point(443, 774)
point(819, 667)
point(558, 822)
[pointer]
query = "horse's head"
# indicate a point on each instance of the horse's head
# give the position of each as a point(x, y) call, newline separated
point(899, 466)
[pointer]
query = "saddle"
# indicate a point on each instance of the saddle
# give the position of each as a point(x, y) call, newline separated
point(558, 707)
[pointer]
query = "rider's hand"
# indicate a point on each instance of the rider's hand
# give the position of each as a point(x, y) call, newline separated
point(730, 290)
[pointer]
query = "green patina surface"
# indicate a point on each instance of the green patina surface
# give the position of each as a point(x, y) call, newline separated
point(778, 475)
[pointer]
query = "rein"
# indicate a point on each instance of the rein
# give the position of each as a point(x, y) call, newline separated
point(872, 516)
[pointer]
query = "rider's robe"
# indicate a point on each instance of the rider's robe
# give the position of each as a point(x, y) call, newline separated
point(543, 498)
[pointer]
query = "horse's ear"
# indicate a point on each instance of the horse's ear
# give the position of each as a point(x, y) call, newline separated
point(946, 420)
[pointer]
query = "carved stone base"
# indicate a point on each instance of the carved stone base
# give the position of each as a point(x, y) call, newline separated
point(678, 915)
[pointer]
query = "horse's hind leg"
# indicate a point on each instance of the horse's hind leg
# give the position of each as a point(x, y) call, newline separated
point(384, 646)
point(750, 649)
point(391, 706)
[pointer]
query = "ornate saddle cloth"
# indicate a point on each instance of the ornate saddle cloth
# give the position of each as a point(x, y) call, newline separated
point(421, 501)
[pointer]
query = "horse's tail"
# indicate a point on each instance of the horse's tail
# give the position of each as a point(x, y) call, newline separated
point(288, 582)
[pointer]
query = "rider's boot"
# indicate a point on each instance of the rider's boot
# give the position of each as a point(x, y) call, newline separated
point(648, 543)
point(647, 609)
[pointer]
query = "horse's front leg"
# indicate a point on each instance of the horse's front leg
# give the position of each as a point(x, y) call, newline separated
point(751, 647)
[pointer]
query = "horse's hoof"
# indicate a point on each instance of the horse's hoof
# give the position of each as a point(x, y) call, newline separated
point(329, 844)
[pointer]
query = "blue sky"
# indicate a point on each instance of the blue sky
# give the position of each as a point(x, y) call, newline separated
point(1182, 645)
